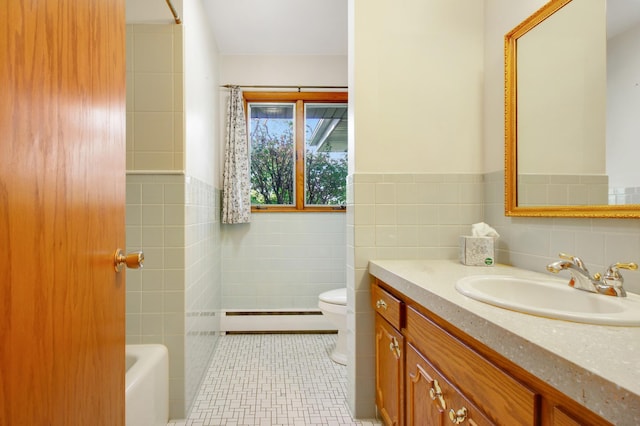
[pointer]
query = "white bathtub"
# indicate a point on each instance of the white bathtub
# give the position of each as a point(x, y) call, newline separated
point(147, 385)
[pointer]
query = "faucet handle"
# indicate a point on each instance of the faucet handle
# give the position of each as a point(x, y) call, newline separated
point(631, 266)
point(613, 278)
point(613, 270)
point(576, 260)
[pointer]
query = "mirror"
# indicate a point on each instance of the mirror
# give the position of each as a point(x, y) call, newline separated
point(572, 93)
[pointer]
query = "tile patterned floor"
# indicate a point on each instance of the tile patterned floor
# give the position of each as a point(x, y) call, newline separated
point(273, 379)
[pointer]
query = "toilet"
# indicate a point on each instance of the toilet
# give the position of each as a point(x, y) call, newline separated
point(333, 304)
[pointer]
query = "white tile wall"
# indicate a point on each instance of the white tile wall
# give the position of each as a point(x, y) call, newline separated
point(397, 216)
point(628, 195)
point(202, 300)
point(282, 260)
point(443, 207)
point(175, 298)
point(532, 243)
point(155, 294)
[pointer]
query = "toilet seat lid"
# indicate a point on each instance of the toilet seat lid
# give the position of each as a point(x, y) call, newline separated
point(336, 297)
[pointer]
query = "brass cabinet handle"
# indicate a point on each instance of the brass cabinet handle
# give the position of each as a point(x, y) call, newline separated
point(459, 416)
point(394, 347)
point(436, 392)
point(381, 304)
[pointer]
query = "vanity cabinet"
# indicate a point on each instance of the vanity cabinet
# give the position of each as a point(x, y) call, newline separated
point(444, 400)
point(464, 384)
point(389, 357)
point(428, 372)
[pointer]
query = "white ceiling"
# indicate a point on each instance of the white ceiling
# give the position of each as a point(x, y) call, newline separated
point(279, 27)
point(299, 27)
point(262, 27)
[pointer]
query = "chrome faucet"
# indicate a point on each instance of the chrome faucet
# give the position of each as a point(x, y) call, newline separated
point(580, 276)
point(610, 284)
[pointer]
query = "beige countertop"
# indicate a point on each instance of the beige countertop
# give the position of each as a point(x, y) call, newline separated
point(598, 366)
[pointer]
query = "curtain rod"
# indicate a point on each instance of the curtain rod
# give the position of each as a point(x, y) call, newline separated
point(173, 12)
point(228, 86)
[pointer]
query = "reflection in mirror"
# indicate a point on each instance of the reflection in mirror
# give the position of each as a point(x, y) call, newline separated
point(568, 137)
point(561, 108)
point(623, 100)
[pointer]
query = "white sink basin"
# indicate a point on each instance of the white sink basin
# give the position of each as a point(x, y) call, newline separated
point(552, 299)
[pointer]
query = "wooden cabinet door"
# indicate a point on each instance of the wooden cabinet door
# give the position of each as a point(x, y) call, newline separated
point(62, 183)
point(389, 372)
point(560, 418)
point(421, 408)
point(431, 398)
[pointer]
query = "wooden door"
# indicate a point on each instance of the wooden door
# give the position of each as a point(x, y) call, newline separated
point(62, 181)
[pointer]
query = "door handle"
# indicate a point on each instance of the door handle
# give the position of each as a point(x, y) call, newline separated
point(133, 260)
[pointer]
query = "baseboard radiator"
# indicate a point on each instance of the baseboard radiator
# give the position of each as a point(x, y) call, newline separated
point(262, 321)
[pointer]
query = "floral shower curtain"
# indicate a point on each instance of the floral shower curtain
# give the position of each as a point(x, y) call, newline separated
point(236, 197)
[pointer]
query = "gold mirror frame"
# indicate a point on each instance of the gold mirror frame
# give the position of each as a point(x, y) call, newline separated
point(511, 135)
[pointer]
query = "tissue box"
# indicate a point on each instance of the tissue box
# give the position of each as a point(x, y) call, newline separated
point(476, 251)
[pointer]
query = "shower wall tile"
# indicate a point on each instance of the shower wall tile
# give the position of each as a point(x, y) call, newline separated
point(155, 97)
point(153, 161)
point(178, 92)
point(153, 92)
point(146, 228)
point(153, 131)
point(201, 298)
point(175, 298)
point(153, 50)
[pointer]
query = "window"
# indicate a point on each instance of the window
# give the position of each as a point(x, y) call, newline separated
point(298, 149)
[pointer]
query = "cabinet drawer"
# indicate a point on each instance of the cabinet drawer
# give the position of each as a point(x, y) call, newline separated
point(387, 305)
point(431, 399)
point(503, 399)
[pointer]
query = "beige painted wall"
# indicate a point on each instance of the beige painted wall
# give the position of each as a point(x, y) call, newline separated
point(284, 70)
point(501, 16)
point(415, 98)
point(417, 70)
